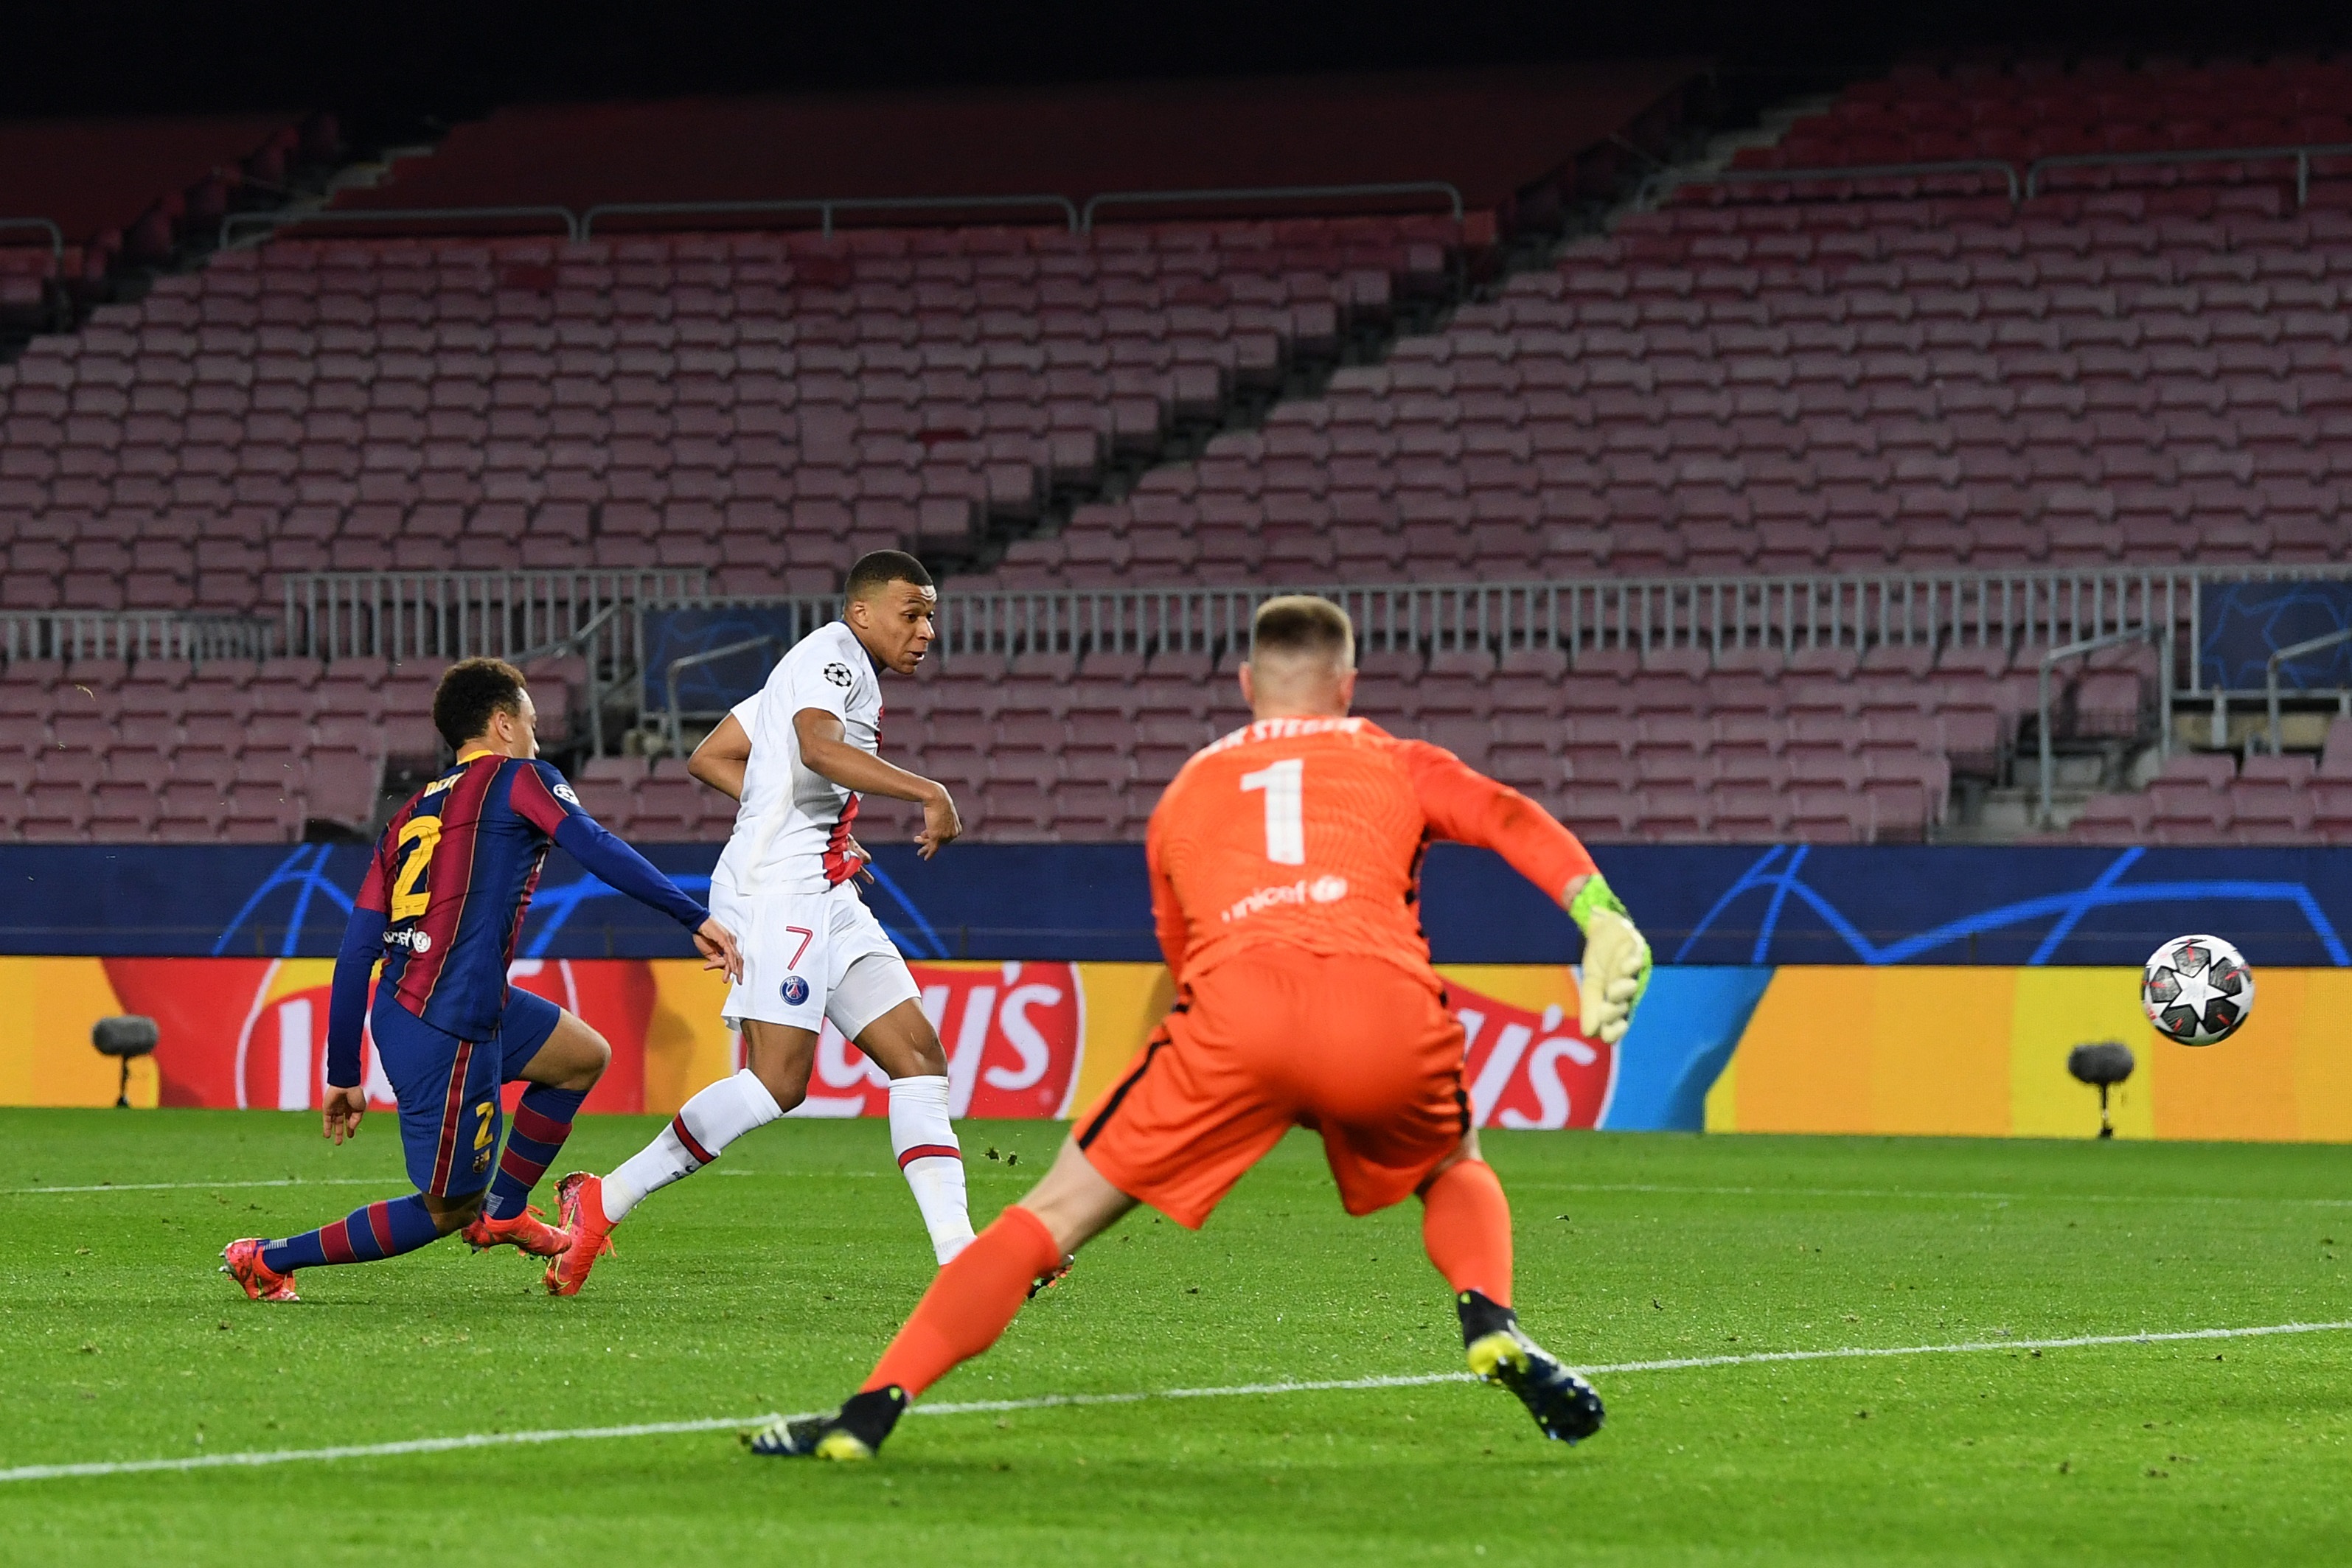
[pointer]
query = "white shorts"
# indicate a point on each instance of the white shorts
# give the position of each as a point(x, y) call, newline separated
point(810, 957)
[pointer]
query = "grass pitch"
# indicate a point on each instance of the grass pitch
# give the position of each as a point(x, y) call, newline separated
point(772, 1281)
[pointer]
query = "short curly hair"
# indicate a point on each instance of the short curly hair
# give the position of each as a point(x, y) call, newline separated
point(471, 690)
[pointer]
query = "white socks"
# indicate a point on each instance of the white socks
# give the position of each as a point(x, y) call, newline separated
point(703, 1126)
point(930, 1158)
point(920, 1136)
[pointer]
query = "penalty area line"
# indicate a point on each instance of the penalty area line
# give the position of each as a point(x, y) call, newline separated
point(1059, 1401)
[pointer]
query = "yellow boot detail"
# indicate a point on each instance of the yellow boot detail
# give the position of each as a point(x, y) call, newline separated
point(1489, 1353)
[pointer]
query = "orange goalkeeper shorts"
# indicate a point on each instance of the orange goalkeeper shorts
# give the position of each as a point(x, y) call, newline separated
point(1357, 1048)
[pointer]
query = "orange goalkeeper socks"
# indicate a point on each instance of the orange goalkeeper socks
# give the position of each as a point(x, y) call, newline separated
point(1465, 1224)
point(971, 1300)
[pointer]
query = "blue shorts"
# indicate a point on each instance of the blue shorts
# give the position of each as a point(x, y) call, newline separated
point(448, 1088)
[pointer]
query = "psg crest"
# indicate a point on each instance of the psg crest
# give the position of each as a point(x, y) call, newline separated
point(796, 990)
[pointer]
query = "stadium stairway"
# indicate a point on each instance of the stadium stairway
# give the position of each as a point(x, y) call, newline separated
point(123, 199)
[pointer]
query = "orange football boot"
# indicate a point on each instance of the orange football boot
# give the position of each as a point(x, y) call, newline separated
point(241, 1261)
point(526, 1232)
point(587, 1234)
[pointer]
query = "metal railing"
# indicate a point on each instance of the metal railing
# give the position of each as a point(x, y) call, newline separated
point(1658, 188)
point(826, 206)
point(672, 718)
point(1641, 614)
point(2301, 155)
point(596, 645)
point(270, 222)
point(2024, 185)
point(1242, 194)
point(56, 236)
point(134, 634)
point(2162, 636)
point(461, 615)
point(2287, 655)
point(579, 225)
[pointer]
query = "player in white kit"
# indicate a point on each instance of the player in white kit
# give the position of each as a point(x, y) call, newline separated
point(812, 950)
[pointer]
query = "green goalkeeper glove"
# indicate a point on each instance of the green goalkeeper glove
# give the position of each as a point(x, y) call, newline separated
point(1616, 962)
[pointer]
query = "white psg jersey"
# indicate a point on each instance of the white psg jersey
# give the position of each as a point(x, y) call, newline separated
point(791, 829)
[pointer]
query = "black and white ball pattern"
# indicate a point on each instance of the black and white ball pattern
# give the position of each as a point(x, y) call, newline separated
point(2197, 990)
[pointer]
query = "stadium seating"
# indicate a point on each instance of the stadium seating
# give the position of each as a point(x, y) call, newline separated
point(1823, 746)
point(2141, 364)
point(764, 404)
point(2212, 798)
point(2128, 370)
point(1930, 112)
point(1869, 386)
point(130, 190)
point(224, 753)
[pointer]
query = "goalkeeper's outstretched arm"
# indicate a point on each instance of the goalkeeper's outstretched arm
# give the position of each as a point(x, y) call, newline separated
point(1466, 806)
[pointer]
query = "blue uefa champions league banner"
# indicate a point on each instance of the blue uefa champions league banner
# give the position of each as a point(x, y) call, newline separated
point(1720, 906)
point(746, 638)
point(2241, 625)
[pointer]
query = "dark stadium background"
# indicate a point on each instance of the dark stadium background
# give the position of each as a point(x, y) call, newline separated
point(132, 57)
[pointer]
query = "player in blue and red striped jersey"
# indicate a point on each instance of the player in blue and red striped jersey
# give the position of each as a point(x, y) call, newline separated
point(441, 906)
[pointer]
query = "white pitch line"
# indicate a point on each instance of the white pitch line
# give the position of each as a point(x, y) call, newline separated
point(385, 1181)
point(1931, 1193)
point(1060, 1401)
point(1858, 1352)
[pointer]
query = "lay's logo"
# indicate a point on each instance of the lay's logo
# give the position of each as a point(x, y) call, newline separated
point(1012, 1034)
point(1530, 1069)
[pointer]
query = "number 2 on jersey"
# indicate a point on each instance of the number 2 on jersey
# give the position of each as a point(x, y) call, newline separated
point(418, 839)
point(1285, 784)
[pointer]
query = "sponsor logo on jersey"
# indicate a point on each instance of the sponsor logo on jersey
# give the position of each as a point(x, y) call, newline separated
point(414, 940)
point(564, 793)
point(837, 672)
point(796, 990)
point(1322, 890)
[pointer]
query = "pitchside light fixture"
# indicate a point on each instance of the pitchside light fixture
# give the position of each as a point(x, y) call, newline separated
point(124, 1037)
point(2103, 1063)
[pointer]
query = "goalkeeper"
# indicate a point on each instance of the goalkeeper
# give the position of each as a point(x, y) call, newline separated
point(1285, 860)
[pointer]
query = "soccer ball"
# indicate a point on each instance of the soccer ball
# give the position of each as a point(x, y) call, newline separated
point(2197, 990)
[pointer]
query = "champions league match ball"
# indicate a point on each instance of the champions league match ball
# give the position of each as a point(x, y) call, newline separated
point(2197, 990)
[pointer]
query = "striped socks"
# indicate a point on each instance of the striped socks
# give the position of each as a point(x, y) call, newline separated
point(703, 1126)
point(541, 1122)
point(364, 1234)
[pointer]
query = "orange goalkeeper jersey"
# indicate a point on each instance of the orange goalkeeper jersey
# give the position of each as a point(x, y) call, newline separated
point(1309, 832)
